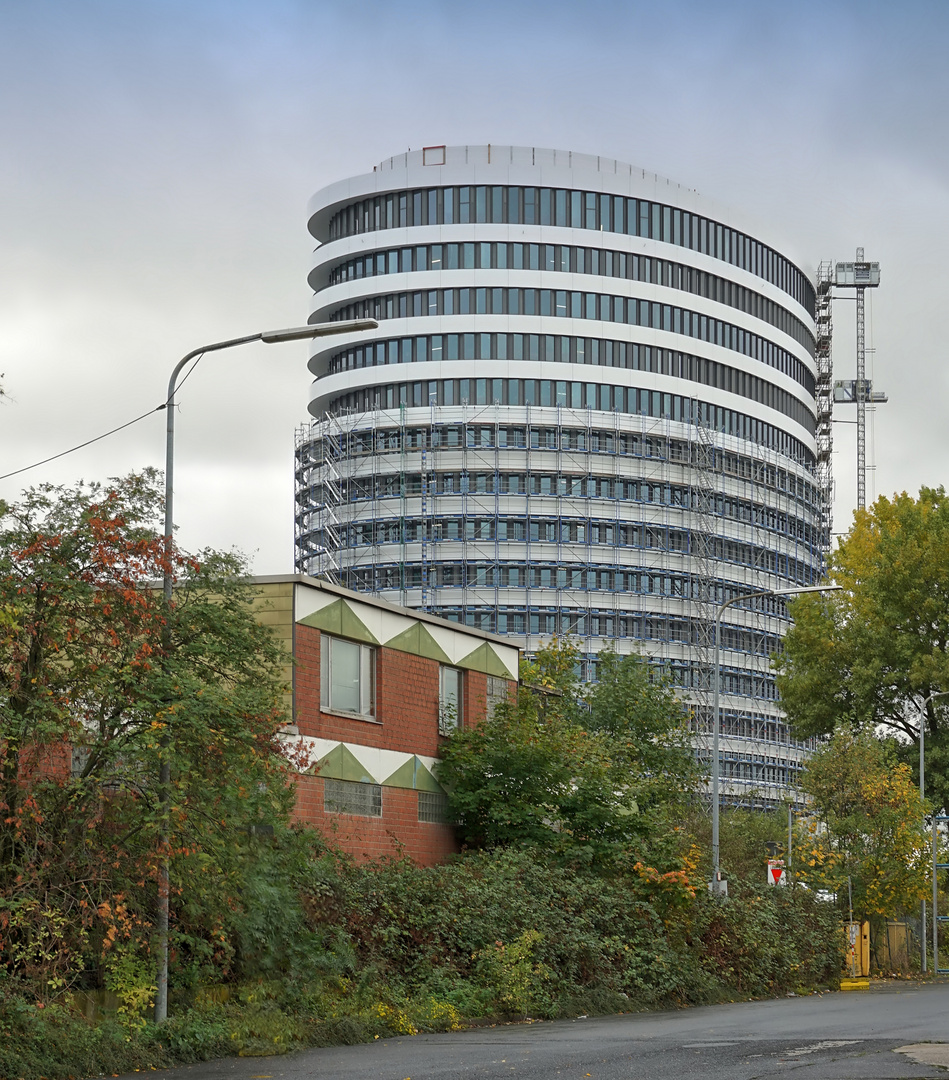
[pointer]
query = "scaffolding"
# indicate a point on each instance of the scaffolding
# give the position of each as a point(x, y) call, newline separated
point(536, 521)
point(320, 501)
point(824, 388)
point(704, 465)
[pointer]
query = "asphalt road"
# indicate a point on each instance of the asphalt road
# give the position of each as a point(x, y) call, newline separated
point(842, 1036)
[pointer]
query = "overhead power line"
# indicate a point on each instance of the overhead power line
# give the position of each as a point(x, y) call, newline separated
point(105, 435)
point(88, 442)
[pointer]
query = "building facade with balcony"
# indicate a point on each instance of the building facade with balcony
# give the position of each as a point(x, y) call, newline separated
point(596, 405)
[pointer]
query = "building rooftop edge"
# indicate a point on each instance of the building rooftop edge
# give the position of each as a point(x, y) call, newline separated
point(509, 154)
point(375, 601)
point(518, 158)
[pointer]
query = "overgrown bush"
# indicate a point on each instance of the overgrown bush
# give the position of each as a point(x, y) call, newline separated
point(389, 949)
point(762, 941)
point(55, 1042)
point(463, 928)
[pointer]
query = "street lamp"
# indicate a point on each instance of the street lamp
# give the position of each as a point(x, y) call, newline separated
point(269, 337)
point(717, 883)
point(922, 795)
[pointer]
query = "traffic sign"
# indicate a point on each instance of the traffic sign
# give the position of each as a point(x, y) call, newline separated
point(777, 874)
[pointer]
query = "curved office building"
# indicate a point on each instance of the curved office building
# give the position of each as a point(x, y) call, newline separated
point(595, 406)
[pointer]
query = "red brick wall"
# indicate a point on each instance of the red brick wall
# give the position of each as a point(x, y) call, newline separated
point(49, 761)
point(406, 701)
point(396, 834)
point(306, 681)
point(476, 688)
point(406, 720)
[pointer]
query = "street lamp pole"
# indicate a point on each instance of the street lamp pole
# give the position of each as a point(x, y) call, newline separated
point(922, 795)
point(717, 883)
point(269, 337)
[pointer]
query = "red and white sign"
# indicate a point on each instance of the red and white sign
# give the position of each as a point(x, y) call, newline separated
point(777, 874)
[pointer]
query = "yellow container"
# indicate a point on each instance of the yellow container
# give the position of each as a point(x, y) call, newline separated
point(857, 958)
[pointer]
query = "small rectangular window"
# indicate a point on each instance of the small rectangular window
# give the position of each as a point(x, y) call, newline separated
point(433, 807)
point(513, 205)
point(606, 217)
point(545, 206)
point(450, 699)
point(347, 676)
point(348, 797)
point(481, 204)
point(530, 204)
point(576, 209)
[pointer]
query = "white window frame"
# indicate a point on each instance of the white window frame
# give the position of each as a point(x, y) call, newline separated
point(362, 688)
point(451, 699)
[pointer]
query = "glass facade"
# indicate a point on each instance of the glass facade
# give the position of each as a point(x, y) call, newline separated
point(597, 211)
point(602, 396)
point(528, 451)
point(562, 304)
point(571, 260)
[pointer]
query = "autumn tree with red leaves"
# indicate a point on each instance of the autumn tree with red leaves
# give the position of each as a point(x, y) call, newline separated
point(89, 700)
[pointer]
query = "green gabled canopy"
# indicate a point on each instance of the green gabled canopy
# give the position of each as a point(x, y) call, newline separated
point(339, 618)
point(418, 641)
point(413, 774)
point(485, 659)
point(342, 764)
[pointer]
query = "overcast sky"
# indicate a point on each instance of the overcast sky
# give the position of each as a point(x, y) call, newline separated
point(157, 158)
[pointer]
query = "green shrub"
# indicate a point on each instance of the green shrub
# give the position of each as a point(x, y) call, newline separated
point(451, 930)
point(392, 949)
point(518, 982)
point(56, 1043)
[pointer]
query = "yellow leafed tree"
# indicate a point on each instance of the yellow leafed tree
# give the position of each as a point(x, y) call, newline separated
point(867, 826)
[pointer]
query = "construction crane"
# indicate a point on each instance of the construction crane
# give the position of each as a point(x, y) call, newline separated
point(859, 275)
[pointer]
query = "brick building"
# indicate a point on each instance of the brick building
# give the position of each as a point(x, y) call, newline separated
point(376, 690)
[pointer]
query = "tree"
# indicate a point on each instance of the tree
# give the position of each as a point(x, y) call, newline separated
point(871, 654)
point(646, 727)
point(88, 694)
point(579, 771)
point(867, 827)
